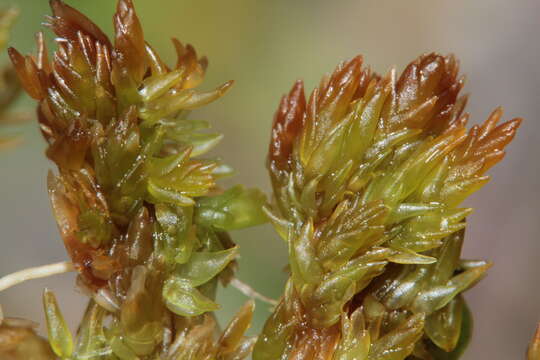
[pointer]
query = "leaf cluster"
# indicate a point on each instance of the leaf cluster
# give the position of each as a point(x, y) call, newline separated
point(368, 176)
point(137, 203)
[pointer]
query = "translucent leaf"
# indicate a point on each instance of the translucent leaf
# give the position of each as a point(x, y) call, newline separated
point(164, 106)
point(324, 156)
point(403, 286)
point(443, 327)
point(351, 227)
point(399, 343)
point(164, 165)
point(278, 329)
point(202, 98)
point(142, 330)
point(155, 86)
point(436, 297)
point(338, 287)
point(243, 351)
point(184, 300)
point(179, 235)
point(203, 266)
point(236, 208)
point(408, 210)
point(139, 236)
point(60, 337)
point(121, 350)
point(281, 225)
point(304, 265)
point(231, 338)
point(362, 129)
point(200, 142)
point(356, 340)
point(94, 228)
point(406, 256)
point(163, 194)
point(463, 342)
point(91, 341)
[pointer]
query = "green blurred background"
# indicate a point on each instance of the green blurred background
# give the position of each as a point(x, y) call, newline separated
point(265, 46)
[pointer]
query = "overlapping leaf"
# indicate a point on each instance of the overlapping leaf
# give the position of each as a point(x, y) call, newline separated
point(368, 177)
point(139, 210)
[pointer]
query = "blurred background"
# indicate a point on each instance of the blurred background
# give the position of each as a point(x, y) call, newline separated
point(265, 46)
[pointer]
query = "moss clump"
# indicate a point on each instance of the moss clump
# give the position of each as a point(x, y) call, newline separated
point(141, 216)
point(368, 177)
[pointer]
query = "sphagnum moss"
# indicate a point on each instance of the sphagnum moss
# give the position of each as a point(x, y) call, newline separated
point(368, 177)
point(141, 216)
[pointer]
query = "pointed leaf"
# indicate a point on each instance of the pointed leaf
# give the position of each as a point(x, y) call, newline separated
point(184, 300)
point(60, 337)
point(203, 266)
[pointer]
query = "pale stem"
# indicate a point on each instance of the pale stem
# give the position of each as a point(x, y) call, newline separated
point(250, 292)
point(67, 266)
point(35, 273)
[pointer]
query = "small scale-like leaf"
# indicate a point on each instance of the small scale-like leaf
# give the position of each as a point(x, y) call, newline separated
point(155, 86)
point(236, 208)
point(356, 340)
point(184, 300)
point(399, 343)
point(436, 297)
point(203, 266)
point(304, 265)
point(463, 342)
point(92, 343)
point(231, 338)
point(171, 196)
point(443, 327)
point(120, 349)
point(60, 337)
point(406, 256)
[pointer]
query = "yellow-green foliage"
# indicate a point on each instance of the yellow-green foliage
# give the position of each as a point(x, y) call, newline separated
point(368, 177)
point(139, 210)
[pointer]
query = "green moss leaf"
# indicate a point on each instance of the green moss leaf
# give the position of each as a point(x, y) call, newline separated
point(184, 300)
point(463, 342)
point(236, 208)
point(399, 343)
point(203, 266)
point(60, 337)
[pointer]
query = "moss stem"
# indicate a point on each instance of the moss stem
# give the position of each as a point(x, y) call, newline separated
point(250, 292)
point(35, 273)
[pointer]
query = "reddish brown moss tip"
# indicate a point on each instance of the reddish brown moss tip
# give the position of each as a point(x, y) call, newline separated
point(129, 41)
point(288, 121)
point(67, 22)
point(335, 93)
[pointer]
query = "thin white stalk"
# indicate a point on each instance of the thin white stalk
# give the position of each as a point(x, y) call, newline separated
point(250, 292)
point(35, 273)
